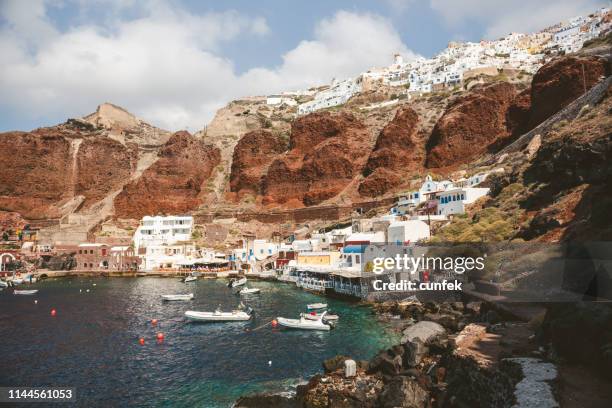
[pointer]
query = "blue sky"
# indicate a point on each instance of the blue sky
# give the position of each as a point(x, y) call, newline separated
point(174, 63)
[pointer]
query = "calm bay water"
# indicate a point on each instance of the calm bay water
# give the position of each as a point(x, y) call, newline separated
point(92, 342)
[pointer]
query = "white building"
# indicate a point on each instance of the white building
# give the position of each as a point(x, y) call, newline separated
point(338, 94)
point(406, 232)
point(454, 200)
point(167, 256)
point(161, 230)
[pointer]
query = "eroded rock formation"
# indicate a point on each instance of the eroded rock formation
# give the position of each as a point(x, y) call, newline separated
point(396, 152)
point(174, 184)
point(326, 152)
point(470, 124)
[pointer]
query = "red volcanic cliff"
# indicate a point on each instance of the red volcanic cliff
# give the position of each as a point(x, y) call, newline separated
point(396, 152)
point(36, 172)
point(174, 183)
point(252, 155)
point(327, 152)
point(470, 124)
point(103, 166)
point(561, 81)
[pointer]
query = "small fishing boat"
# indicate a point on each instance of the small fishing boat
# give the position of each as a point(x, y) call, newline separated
point(178, 297)
point(219, 316)
point(25, 292)
point(190, 278)
point(3, 284)
point(304, 324)
point(315, 316)
point(315, 306)
point(17, 281)
point(249, 291)
point(237, 282)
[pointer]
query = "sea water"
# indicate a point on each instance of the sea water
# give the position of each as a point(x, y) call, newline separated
point(92, 343)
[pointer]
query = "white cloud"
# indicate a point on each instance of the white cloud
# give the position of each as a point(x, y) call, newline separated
point(167, 66)
point(502, 17)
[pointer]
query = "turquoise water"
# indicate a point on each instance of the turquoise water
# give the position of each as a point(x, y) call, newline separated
point(92, 342)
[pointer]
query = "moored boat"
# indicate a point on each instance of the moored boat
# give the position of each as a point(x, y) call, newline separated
point(25, 292)
point(237, 282)
point(304, 324)
point(190, 278)
point(178, 297)
point(249, 291)
point(315, 316)
point(219, 316)
point(315, 306)
point(16, 281)
point(3, 284)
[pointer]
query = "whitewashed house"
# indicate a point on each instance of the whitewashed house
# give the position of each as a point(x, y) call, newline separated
point(406, 232)
point(161, 230)
point(453, 201)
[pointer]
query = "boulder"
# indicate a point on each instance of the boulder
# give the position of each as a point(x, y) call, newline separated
point(335, 363)
point(268, 401)
point(425, 331)
point(403, 392)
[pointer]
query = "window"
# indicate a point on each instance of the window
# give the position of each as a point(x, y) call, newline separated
point(462, 196)
point(80, 251)
point(357, 259)
point(91, 251)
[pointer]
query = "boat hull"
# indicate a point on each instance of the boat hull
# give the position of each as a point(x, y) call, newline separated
point(26, 292)
point(303, 324)
point(171, 298)
point(217, 317)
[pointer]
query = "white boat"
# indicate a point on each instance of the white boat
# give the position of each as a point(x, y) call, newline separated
point(237, 282)
point(3, 284)
point(249, 291)
point(328, 317)
point(314, 306)
point(25, 292)
point(190, 279)
point(219, 316)
point(178, 297)
point(304, 324)
point(17, 281)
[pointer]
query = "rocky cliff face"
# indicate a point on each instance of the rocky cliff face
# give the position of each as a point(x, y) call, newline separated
point(103, 165)
point(252, 155)
point(36, 170)
point(470, 125)
point(561, 81)
point(174, 184)
point(326, 152)
point(395, 153)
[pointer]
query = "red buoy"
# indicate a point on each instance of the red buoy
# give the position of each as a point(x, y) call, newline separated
point(141, 341)
point(274, 323)
point(53, 312)
point(160, 336)
point(154, 322)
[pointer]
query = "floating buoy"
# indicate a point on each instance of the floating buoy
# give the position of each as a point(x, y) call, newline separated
point(141, 341)
point(87, 290)
point(93, 284)
point(274, 323)
point(80, 290)
point(36, 302)
point(160, 336)
point(53, 312)
point(154, 322)
point(270, 362)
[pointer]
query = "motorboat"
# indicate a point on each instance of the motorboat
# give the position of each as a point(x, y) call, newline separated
point(190, 278)
point(304, 324)
point(328, 317)
point(219, 316)
point(16, 281)
point(237, 282)
point(249, 291)
point(3, 284)
point(188, 296)
point(315, 306)
point(25, 292)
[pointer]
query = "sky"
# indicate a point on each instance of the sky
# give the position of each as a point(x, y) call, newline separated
point(173, 63)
